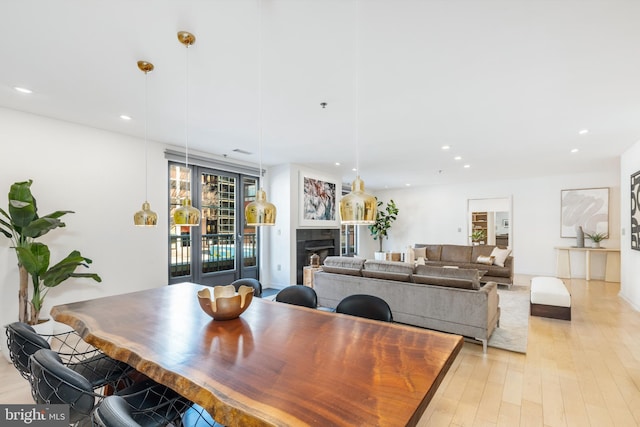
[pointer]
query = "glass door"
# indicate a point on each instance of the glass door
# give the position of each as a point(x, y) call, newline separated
point(221, 249)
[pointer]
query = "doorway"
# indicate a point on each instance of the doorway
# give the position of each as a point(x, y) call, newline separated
point(222, 249)
point(493, 218)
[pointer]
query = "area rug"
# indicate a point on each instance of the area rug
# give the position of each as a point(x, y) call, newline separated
point(514, 320)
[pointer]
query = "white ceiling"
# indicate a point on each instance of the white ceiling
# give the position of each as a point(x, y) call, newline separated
point(507, 84)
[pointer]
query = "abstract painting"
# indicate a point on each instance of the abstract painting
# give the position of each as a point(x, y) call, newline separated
point(587, 207)
point(318, 201)
point(635, 211)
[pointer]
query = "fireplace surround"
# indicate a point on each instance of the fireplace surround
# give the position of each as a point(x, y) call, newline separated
point(322, 241)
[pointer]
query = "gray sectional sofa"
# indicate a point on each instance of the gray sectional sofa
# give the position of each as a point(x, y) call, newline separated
point(444, 299)
point(467, 257)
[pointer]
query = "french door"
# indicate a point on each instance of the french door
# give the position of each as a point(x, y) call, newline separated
point(222, 249)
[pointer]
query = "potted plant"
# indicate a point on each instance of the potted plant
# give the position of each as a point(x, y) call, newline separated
point(596, 238)
point(478, 236)
point(384, 218)
point(22, 225)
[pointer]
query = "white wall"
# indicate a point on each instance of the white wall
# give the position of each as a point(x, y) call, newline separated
point(439, 215)
point(630, 259)
point(282, 236)
point(100, 176)
point(285, 184)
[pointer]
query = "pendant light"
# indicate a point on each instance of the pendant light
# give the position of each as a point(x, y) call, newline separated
point(357, 207)
point(186, 215)
point(260, 211)
point(145, 217)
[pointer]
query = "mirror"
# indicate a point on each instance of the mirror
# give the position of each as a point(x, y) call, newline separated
point(493, 217)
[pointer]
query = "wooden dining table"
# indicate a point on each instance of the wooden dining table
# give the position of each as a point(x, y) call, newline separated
point(275, 365)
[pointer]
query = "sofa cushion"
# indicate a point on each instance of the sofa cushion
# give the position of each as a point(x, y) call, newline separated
point(456, 253)
point(481, 250)
point(391, 270)
point(343, 265)
point(444, 281)
point(433, 251)
point(468, 274)
point(492, 270)
point(500, 256)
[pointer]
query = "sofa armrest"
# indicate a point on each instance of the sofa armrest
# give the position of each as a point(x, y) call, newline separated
point(493, 300)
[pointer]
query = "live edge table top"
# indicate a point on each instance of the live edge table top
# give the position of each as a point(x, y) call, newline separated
point(277, 364)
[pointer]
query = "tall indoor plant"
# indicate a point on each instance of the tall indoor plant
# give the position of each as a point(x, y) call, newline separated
point(22, 225)
point(384, 218)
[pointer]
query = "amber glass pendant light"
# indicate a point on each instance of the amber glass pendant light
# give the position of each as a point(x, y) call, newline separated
point(145, 217)
point(186, 215)
point(357, 207)
point(260, 211)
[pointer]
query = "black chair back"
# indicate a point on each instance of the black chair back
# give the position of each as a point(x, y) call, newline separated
point(114, 411)
point(368, 306)
point(298, 295)
point(255, 284)
point(23, 341)
point(54, 383)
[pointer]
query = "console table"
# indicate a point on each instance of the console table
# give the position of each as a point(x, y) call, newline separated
point(307, 275)
point(612, 265)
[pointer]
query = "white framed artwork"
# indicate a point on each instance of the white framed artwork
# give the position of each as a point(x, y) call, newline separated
point(319, 198)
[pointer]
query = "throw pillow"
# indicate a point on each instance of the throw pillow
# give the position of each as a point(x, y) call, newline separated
point(500, 256)
point(410, 255)
point(420, 261)
point(420, 253)
point(488, 260)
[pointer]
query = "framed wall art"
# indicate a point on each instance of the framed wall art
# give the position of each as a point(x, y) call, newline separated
point(319, 198)
point(586, 207)
point(635, 211)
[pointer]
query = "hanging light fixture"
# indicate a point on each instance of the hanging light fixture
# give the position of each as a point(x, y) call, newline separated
point(145, 217)
point(357, 207)
point(260, 211)
point(186, 215)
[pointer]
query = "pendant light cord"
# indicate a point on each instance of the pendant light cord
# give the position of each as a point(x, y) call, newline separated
point(356, 90)
point(146, 143)
point(186, 112)
point(260, 87)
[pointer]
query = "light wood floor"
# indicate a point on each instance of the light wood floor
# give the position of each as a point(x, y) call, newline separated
point(585, 372)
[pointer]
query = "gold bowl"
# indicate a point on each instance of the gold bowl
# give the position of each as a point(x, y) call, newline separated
point(226, 304)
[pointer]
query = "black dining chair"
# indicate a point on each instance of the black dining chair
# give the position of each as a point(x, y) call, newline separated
point(150, 403)
point(253, 283)
point(114, 411)
point(298, 295)
point(368, 306)
point(98, 368)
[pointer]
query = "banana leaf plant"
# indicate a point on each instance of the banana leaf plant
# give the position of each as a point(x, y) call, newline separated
point(22, 225)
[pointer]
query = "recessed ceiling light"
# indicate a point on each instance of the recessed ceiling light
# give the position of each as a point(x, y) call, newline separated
point(408, 185)
point(22, 89)
point(457, 158)
point(584, 131)
point(467, 166)
point(337, 163)
point(575, 150)
point(445, 147)
point(125, 117)
point(354, 169)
